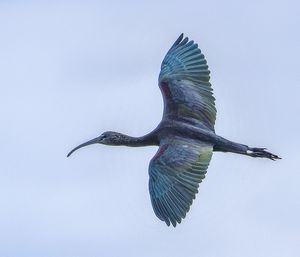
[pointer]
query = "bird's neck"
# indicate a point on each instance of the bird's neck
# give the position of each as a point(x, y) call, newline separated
point(148, 139)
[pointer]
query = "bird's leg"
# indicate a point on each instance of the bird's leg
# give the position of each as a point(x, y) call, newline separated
point(225, 145)
point(262, 153)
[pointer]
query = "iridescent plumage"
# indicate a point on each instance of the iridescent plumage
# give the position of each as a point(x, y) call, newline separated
point(185, 136)
point(184, 82)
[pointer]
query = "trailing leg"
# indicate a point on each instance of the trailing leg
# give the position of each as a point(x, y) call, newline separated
point(225, 145)
point(261, 152)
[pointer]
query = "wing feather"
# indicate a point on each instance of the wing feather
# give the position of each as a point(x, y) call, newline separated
point(184, 82)
point(175, 173)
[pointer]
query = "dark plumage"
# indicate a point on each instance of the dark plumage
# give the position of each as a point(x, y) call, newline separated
point(185, 135)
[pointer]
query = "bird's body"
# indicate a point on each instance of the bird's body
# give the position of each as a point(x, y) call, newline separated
point(185, 136)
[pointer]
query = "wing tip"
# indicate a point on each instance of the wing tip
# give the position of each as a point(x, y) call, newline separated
point(181, 36)
point(178, 40)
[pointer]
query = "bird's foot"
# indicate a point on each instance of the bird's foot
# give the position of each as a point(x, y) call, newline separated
point(262, 153)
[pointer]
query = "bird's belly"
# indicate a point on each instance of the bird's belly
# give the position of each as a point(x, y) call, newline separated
point(186, 130)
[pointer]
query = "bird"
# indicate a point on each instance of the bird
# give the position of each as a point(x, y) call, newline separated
point(185, 135)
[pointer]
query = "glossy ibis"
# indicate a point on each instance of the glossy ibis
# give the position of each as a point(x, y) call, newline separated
point(185, 135)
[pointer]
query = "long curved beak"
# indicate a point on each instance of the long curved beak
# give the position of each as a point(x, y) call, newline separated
point(90, 142)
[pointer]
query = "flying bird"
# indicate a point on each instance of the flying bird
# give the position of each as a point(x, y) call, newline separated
point(185, 135)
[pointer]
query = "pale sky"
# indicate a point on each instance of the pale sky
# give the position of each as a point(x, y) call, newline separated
point(71, 70)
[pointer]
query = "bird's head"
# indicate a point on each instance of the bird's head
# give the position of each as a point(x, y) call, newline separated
point(111, 138)
point(106, 138)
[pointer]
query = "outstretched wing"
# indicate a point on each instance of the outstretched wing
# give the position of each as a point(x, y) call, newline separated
point(184, 83)
point(175, 172)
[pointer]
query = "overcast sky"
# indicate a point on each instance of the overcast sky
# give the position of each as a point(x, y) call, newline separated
point(70, 70)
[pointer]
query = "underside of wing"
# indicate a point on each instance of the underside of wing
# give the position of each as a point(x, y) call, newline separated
point(184, 82)
point(174, 176)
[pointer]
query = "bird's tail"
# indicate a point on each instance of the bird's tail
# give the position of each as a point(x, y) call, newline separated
point(262, 153)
